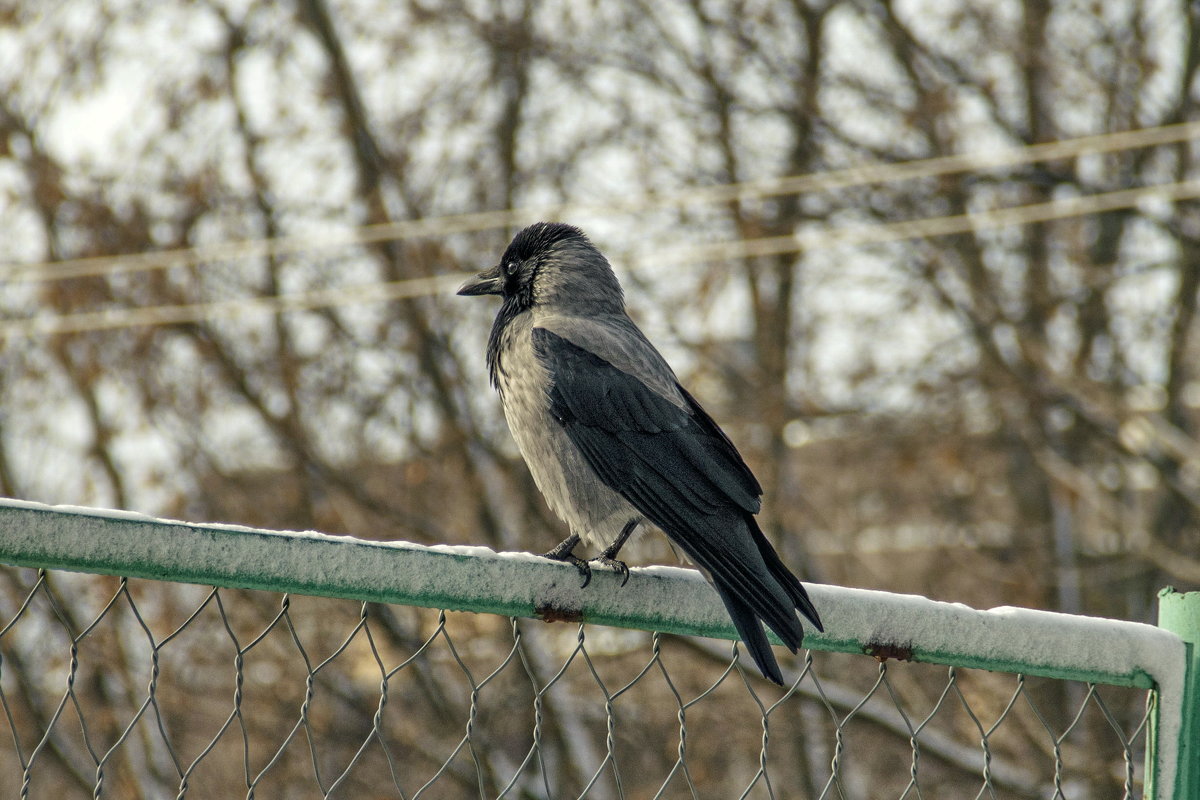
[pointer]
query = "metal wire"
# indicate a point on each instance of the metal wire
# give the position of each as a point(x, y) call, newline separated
point(801, 241)
point(115, 688)
point(403, 230)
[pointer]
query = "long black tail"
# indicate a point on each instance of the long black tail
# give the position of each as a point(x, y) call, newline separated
point(751, 630)
point(784, 576)
point(756, 588)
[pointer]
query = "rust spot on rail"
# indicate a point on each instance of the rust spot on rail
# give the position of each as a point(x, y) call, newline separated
point(548, 612)
point(882, 651)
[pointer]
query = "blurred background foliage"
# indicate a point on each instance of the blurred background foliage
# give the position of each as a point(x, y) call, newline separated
point(1002, 415)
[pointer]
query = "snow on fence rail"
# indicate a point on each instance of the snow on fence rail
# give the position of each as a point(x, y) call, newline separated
point(1029, 644)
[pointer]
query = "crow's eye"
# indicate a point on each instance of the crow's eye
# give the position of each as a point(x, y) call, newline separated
point(510, 268)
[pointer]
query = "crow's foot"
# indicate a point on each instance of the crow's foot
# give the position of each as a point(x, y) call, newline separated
point(564, 553)
point(608, 556)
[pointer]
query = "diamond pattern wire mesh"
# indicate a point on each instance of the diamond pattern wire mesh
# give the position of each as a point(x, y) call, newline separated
point(146, 689)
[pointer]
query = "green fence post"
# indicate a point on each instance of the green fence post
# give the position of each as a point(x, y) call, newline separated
point(1179, 613)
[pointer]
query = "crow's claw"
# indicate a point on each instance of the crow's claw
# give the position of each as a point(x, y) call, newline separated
point(620, 567)
point(563, 553)
point(585, 569)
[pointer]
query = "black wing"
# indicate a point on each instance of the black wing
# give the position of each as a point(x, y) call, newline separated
point(680, 470)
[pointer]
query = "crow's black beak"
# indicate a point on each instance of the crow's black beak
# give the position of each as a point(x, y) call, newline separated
point(490, 281)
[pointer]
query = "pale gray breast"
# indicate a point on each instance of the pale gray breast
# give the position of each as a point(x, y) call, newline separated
point(571, 488)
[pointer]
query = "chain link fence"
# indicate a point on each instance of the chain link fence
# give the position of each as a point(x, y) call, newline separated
point(145, 689)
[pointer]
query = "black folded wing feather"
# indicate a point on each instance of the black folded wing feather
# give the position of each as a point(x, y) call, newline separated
point(678, 468)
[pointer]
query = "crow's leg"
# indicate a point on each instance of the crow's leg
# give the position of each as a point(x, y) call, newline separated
point(608, 557)
point(564, 553)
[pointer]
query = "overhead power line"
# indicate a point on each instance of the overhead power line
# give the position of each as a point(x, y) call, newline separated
point(490, 220)
point(194, 312)
point(880, 233)
point(715, 251)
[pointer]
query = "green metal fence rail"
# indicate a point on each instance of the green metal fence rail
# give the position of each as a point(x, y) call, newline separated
point(1165, 660)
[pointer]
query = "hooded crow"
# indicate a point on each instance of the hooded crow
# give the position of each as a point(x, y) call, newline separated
point(613, 440)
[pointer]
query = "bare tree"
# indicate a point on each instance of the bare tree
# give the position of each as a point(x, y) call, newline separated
point(1018, 402)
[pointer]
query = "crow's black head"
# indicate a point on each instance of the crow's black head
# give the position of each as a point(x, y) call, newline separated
point(551, 264)
point(539, 239)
